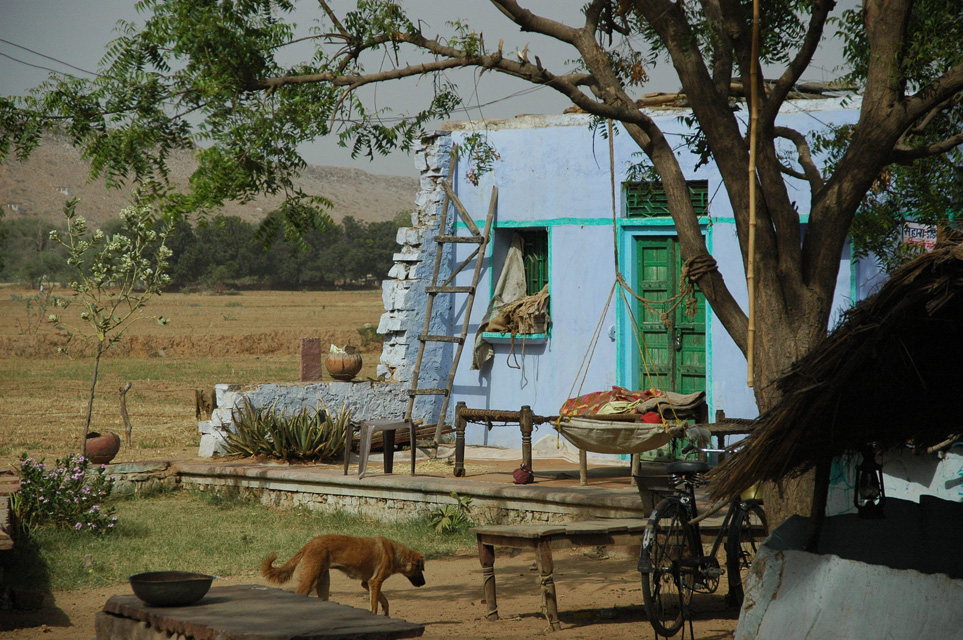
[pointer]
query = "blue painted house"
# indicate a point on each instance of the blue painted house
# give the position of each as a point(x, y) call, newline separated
point(554, 177)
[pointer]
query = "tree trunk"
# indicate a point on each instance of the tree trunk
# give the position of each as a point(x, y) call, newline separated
point(90, 399)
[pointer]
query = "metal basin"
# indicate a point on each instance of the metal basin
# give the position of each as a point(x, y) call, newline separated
point(170, 588)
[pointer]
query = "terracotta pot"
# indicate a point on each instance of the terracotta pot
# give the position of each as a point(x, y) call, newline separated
point(343, 366)
point(101, 449)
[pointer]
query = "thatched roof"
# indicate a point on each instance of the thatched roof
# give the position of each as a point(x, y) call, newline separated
point(891, 374)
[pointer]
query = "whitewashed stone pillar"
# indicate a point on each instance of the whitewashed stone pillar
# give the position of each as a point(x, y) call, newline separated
point(403, 292)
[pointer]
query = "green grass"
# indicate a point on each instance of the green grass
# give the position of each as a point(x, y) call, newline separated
point(218, 534)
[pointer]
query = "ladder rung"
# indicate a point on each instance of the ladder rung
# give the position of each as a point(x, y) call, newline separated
point(427, 392)
point(450, 289)
point(429, 338)
point(460, 239)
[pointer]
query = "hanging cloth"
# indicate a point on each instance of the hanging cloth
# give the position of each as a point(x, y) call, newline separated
point(510, 287)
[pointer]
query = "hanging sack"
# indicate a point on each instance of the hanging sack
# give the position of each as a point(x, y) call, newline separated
point(523, 475)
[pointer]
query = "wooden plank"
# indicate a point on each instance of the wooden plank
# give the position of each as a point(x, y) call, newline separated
point(519, 530)
point(605, 526)
point(255, 612)
point(460, 208)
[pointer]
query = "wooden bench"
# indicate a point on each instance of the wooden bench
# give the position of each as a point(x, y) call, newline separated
point(543, 538)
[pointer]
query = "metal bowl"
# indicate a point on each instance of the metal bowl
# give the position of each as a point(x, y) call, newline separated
point(170, 588)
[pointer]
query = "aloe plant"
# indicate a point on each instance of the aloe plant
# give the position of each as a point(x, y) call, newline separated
point(307, 434)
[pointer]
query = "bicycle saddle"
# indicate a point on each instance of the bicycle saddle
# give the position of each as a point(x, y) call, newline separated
point(686, 466)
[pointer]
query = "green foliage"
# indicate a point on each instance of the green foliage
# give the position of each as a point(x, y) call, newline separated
point(303, 435)
point(68, 496)
point(449, 519)
point(480, 154)
point(30, 256)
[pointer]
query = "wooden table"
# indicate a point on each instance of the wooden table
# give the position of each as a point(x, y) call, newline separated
point(247, 612)
point(543, 538)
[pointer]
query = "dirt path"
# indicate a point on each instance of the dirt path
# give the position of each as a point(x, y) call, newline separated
point(597, 598)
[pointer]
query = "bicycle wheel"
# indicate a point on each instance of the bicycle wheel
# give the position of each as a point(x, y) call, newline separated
point(667, 564)
point(746, 532)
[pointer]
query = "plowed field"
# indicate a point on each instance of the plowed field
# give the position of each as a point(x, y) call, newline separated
point(240, 339)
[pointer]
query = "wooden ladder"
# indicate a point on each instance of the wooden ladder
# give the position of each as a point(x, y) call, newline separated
point(479, 237)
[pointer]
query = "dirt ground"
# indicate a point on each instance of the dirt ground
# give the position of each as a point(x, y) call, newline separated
point(599, 596)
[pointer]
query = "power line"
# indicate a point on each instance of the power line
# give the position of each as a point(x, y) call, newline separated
point(35, 66)
point(37, 53)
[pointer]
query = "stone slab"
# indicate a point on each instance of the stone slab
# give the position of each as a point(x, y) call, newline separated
point(312, 362)
point(251, 612)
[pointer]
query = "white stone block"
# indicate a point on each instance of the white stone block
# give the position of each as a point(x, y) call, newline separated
point(205, 426)
point(221, 416)
point(394, 355)
point(390, 323)
point(398, 271)
point(407, 256)
point(222, 391)
point(212, 444)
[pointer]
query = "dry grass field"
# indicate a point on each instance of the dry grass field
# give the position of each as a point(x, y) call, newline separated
point(249, 338)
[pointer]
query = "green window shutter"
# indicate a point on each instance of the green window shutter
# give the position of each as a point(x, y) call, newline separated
point(535, 257)
point(648, 199)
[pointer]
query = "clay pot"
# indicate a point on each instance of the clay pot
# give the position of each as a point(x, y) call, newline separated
point(101, 449)
point(343, 366)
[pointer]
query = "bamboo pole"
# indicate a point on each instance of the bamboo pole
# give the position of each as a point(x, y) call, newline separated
point(751, 260)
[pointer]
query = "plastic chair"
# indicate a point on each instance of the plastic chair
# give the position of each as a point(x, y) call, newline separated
point(387, 428)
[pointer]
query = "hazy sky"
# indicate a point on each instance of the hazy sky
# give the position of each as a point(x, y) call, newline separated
point(76, 32)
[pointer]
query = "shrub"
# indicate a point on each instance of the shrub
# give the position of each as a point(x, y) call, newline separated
point(452, 518)
point(369, 334)
point(304, 435)
point(68, 495)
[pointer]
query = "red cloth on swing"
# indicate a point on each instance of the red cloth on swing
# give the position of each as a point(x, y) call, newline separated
point(591, 403)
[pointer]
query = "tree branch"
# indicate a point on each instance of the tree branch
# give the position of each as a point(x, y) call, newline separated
point(528, 21)
point(334, 19)
point(811, 172)
point(904, 154)
point(799, 64)
point(722, 58)
point(946, 87)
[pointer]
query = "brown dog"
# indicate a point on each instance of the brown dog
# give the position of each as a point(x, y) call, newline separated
point(373, 560)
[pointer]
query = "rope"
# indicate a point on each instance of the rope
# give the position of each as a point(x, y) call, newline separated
point(693, 269)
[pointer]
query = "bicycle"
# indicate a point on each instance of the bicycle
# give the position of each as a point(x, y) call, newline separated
point(673, 562)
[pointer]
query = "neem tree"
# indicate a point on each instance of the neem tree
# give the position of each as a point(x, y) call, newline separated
point(211, 73)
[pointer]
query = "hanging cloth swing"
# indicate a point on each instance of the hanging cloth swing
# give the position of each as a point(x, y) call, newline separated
point(622, 421)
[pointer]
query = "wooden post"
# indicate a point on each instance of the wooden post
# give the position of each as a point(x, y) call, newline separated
point(546, 579)
point(486, 556)
point(460, 424)
point(582, 467)
point(817, 514)
point(123, 411)
point(527, 424)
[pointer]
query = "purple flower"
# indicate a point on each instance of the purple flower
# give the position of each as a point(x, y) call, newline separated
point(114, 518)
point(81, 459)
point(78, 526)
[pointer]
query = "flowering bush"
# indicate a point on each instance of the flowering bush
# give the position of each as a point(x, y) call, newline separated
point(67, 495)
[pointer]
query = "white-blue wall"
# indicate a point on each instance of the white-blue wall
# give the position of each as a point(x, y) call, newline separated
point(554, 172)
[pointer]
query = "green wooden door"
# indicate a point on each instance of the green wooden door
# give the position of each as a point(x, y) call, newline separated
point(673, 350)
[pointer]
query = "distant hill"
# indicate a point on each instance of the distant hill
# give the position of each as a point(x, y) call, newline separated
point(55, 171)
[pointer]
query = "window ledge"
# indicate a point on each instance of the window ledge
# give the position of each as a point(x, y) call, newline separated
point(506, 338)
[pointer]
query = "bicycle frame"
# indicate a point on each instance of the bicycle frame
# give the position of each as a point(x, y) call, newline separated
point(682, 490)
